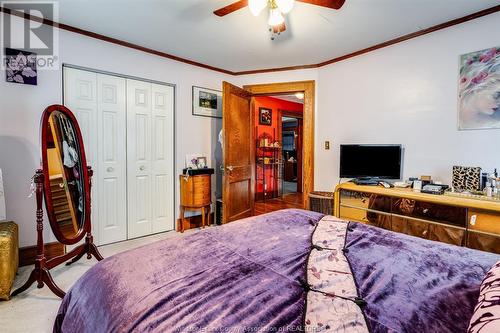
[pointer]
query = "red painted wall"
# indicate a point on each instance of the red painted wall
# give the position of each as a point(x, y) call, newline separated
point(275, 105)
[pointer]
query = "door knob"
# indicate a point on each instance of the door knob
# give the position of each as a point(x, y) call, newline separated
point(110, 169)
point(142, 168)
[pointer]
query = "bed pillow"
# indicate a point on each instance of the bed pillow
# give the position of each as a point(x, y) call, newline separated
point(486, 317)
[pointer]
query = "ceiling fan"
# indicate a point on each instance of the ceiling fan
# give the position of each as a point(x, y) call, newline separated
point(276, 9)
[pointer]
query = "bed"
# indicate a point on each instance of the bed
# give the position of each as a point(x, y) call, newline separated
point(291, 270)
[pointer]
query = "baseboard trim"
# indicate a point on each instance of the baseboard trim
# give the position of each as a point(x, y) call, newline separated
point(192, 222)
point(27, 255)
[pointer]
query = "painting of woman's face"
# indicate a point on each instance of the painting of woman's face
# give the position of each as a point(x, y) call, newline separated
point(479, 90)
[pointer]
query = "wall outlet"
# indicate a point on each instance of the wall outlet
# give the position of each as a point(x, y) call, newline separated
point(327, 145)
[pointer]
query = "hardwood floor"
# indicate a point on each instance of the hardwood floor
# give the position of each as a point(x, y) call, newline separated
point(291, 200)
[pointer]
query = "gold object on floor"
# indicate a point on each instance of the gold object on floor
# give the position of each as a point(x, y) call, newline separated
point(9, 257)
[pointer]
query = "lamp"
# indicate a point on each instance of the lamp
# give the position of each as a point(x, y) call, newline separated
point(275, 17)
point(299, 95)
point(256, 6)
point(285, 6)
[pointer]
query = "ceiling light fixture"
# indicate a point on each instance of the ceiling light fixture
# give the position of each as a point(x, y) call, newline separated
point(285, 6)
point(299, 95)
point(256, 6)
point(276, 10)
point(275, 17)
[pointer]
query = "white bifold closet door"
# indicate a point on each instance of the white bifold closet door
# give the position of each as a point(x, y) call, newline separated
point(99, 103)
point(112, 159)
point(128, 131)
point(149, 158)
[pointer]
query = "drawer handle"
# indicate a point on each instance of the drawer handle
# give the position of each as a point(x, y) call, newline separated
point(142, 168)
point(110, 169)
point(473, 219)
point(426, 210)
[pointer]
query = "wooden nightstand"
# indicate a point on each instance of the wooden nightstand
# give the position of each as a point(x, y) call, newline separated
point(196, 193)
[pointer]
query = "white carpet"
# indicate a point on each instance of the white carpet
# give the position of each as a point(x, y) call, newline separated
point(34, 310)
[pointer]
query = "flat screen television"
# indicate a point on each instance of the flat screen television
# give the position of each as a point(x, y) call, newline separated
point(370, 161)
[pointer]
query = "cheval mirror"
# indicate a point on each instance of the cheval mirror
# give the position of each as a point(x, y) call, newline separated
point(64, 183)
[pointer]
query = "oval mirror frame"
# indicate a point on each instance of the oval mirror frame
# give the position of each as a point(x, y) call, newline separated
point(80, 234)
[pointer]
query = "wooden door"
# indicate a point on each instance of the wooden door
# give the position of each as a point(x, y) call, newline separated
point(238, 153)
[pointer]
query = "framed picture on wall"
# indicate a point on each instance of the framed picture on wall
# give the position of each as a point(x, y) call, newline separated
point(20, 67)
point(265, 116)
point(207, 102)
point(478, 90)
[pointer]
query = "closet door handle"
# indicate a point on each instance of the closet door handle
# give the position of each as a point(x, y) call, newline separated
point(142, 168)
point(110, 169)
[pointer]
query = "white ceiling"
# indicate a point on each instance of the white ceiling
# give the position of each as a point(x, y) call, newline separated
point(240, 41)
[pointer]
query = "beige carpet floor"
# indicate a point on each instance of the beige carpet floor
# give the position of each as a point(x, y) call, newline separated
point(34, 310)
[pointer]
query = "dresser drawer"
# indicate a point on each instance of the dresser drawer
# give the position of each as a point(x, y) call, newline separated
point(429, 211)
point(201, 199)
point(410, 227)
point(202, 180)
point(447, 234)
point(484, 221)
point(366, 200)
point(483, 231)
point(196, 191)
point(368, 216)
point(484, 242)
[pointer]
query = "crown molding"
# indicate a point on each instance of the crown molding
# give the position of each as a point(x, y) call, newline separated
point(116, 41)
point(112, 40)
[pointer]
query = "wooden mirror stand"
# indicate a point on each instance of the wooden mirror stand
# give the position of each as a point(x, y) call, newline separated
point(41, 273)
point(64, 183)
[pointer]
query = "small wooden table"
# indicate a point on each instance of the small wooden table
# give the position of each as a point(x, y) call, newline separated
point(196, 194)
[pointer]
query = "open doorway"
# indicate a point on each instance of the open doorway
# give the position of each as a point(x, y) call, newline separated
point(239, 142)
point(291, 137)
point(278, 152)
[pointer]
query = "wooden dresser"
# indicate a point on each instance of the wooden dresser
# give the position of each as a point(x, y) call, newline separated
point(455, 220)
point(196, 194)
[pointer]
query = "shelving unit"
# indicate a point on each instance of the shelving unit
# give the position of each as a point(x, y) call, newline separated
point(268, 161)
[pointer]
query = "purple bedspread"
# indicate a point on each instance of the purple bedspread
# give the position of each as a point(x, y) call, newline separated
point(245, 276)
point(415, 285)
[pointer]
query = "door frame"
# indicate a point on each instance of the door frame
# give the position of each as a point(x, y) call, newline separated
point(287, 88)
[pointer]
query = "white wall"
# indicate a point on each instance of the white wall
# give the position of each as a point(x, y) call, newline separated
point(406, 94)
point(21, 107)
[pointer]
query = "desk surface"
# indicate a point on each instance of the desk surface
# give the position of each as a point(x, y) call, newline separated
point(409, 193)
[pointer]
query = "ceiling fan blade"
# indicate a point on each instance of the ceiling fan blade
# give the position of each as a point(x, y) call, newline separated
point(279, 28)
point(333, 4)
point(231, 8)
